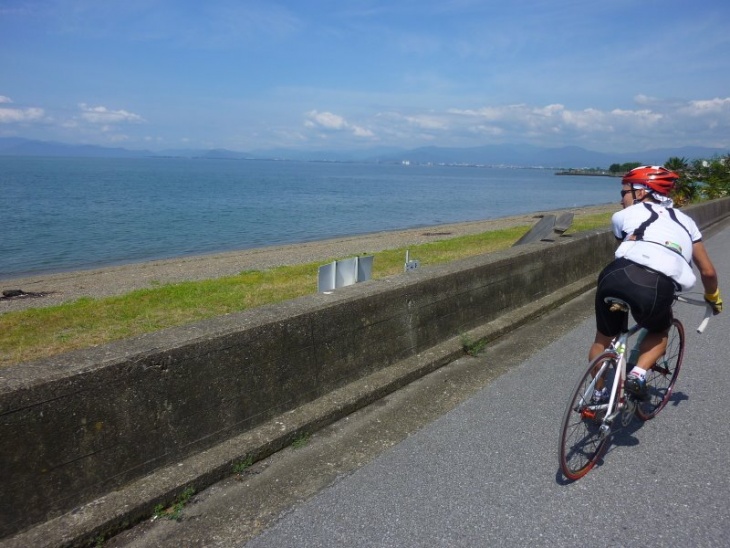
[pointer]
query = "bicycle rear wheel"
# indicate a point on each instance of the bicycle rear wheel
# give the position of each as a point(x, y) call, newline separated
point(661, 377)
point(581, 441)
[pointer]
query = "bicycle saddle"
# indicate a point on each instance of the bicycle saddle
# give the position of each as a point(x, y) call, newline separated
point(616, 305)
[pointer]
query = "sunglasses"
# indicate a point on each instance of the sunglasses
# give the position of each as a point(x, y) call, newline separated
point(625, 192)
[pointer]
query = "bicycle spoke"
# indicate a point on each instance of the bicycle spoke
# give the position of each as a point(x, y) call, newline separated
point(661, 377)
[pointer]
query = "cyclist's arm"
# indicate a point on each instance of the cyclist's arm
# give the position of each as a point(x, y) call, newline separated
point(708, 274)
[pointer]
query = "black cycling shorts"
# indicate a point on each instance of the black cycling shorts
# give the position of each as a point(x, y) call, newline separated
point(650, 295)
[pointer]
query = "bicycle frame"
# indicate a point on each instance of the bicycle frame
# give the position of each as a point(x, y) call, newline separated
point(617, 402)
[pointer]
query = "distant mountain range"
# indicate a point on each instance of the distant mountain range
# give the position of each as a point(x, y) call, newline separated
point(515, 155)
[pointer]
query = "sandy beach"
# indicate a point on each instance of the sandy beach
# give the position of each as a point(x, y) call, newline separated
point(116, 280)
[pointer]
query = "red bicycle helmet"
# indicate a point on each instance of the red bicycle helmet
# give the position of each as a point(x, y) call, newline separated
point(657, 178)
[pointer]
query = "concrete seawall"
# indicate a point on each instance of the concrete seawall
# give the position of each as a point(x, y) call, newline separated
point(86, 431)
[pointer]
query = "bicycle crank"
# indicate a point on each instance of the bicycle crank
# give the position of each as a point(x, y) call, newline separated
point(628, 412)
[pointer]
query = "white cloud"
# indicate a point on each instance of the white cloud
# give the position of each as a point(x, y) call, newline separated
point(427, 121)
point(642, 99)
point(358, 131)
point(104, 116)
point(332, 122)
point(656, 123)
point(651, 123)
point(15, 115)
point(326, 120)
point(9, 115)
point(711, 106)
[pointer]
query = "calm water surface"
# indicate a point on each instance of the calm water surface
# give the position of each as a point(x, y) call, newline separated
point(62, 214)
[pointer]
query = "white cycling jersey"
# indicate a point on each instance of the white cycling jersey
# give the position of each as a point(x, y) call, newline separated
point(658, 237)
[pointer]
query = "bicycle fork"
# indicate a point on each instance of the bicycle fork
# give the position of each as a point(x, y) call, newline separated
point(622, 405)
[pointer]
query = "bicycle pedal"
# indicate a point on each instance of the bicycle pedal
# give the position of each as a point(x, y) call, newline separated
point(628, 412)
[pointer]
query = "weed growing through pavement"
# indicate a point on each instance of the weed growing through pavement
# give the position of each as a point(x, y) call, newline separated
point(174, 512)
point(300, 441)
point(241, 466)
point(473, 348)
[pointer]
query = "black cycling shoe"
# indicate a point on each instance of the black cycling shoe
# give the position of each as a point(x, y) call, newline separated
point(636, 386)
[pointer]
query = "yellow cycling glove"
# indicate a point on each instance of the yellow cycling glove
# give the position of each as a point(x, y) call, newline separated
point(714, 300)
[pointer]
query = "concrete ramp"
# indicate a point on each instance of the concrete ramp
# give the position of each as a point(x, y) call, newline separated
point(548, 228)
point(542, 229)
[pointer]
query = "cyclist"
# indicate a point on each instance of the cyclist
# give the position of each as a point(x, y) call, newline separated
point(658, 246)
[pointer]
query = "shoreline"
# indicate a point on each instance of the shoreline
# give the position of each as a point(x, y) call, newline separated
point(117, 280)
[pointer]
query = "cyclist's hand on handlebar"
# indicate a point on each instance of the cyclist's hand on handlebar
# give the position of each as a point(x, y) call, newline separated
point(714, 300)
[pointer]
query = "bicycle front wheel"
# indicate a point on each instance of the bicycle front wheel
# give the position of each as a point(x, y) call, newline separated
point(581, 441)
point(661, 377)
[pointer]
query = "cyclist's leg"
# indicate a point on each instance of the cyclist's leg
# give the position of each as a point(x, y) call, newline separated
point(652, 349)
point(611, 281)
point(600, 343)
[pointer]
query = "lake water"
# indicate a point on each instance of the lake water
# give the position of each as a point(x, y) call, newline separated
point(60, 214)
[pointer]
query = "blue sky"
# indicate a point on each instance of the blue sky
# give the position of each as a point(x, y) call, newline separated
point(613, 76)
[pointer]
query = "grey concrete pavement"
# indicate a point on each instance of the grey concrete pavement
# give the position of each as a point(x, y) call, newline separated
point(468, 457)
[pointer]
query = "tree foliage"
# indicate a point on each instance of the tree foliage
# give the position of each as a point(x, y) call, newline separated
point(623, 168)
point(700, 179)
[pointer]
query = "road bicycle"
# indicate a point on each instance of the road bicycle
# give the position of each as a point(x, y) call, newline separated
point(588, 421)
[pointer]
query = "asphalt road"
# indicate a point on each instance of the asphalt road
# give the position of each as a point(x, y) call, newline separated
point(486, 473)
point(467, 456)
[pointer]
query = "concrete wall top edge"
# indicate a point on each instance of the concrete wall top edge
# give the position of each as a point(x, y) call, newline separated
point(136, 349)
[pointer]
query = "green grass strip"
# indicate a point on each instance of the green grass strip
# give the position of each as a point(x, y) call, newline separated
point(43, 332)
